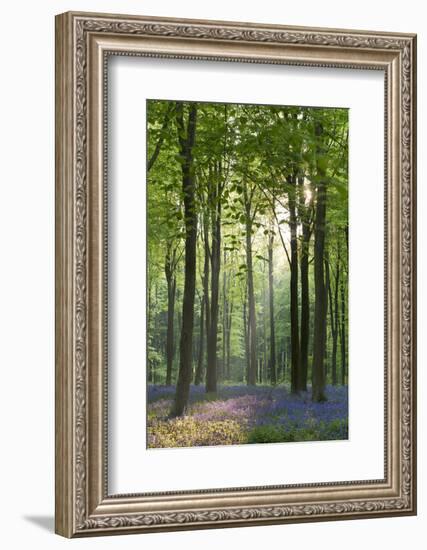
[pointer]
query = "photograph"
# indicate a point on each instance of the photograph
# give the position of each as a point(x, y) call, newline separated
point(247, 273)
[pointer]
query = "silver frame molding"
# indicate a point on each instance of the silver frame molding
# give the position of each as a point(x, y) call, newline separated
point(83, 43)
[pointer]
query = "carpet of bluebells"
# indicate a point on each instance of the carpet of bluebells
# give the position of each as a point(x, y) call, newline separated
point(242, 414)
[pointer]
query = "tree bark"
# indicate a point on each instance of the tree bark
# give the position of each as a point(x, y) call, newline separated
point(264, 363)
point(199, 370)
point(228, 335)
point(305, 213)
point(215, 257)
point(252, 374)
point(327, 287)
point(343, 335)
point(320, 311)
point(333, 310)
point(295, 346)
point(273, 373)
point(150, 330)
point(171, 286)
point(246, 336)
point(224, 315)
point(186, 140)
point(155, 328)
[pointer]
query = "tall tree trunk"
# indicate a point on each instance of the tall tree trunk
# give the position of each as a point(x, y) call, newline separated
point(246, 336)
point(206, 277)
point(264, 363)
point(333, 309)
point(178, 328)
point(343, 318)
point(273, 373)
point(305, 212)
point(320, 305)
point(283, 365)
point(171, 285)
point(224, 315)
point(155, 327)
point(228, 334)
point(199, 370)
point(305, 315)
point(186, 140)
point(295, 347)
point(252, 374)
point(327, 287)
point(212, 336)
point(149, 327)
point(343, 335)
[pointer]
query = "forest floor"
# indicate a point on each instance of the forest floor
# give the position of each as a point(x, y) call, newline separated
point(239, 414)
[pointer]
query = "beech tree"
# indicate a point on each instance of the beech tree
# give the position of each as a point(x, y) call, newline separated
point(186, 137)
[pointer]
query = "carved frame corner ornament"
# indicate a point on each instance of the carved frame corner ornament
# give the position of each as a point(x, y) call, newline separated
point(83, 43)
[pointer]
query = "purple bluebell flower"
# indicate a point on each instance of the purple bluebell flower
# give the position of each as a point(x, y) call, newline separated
point(238, 411)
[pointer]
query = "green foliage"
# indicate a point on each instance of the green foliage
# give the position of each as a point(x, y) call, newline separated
point(269, 434)
point(323, 431)
point(245, 157)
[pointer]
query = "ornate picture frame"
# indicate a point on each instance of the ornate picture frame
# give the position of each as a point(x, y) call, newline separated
point(84, 42)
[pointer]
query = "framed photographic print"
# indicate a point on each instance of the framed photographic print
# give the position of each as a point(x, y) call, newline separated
point(235, 274)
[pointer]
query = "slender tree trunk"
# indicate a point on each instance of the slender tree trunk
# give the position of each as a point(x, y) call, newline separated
point(179, 327)
point(305, 307)
point(273, 373)
point(150, 328)
point(346, 237)
point(305, 317)
point(304, 213)
point(212, 336)
point(170, 346)
point(319, 279)
point(343, 335)
point(333, 309)
point(187, 139)
point(252, 374)
point(224, 315)
point(228, 308)
point(228, 334)
point(171, 286)
point(327, 289)
point(343, 318)
point(283, 369)
point(295, 347)
point(264, 328)
point(155, 327)
point(246, 336)
point(199, 369)
point(206, 277)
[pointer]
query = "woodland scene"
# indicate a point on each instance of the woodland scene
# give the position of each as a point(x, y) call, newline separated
point(247, 264)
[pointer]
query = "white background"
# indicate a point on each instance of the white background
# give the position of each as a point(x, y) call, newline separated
point(27, 268)
point(133, 468)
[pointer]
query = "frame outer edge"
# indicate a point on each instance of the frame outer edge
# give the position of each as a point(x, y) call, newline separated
point(73, 518)
point(414, 270)
point(157, 19)
point(64, 237)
